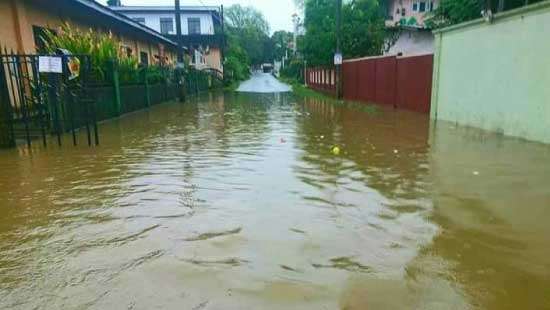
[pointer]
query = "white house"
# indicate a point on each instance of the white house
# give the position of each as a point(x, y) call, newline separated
point(201, 28)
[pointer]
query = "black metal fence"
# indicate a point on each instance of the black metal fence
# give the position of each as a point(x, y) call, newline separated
point(36, 104)
point(42, 95)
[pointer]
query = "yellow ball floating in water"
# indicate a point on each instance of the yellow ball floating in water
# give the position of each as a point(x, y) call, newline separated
point(335, 150)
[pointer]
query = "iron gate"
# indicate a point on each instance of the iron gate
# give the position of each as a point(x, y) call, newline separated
point(37, 101)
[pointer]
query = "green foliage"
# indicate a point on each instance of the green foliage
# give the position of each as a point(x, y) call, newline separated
point(363, 30)
point(294, 70)
point(412, 21)
point(281, 39)
point(240, 17)
point(128, 70)
point(104, 51)
point(450, 12)
point(319, 42)
point(250, 30)
point(101, 48)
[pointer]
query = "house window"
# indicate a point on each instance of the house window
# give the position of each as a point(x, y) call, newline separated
point(430, 6)
point(140, 20)
point(194, 25)
point(144, 59)
point(166, 25)
point(403, 11)
point(415, 6)
point(422, 7)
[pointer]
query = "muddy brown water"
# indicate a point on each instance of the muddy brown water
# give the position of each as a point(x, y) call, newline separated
point(235, 201)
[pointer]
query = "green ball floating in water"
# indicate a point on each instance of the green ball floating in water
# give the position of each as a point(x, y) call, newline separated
point(335, 150)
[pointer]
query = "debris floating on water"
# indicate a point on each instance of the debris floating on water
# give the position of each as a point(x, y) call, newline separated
point(211, 235)
point(335, 150)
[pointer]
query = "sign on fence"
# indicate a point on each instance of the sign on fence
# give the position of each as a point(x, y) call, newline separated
point(338, 59)
point(49, 64)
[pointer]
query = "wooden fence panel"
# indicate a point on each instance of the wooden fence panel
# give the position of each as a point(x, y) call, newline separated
point(366, 80)
point(414, 80)
point(349, 81)
point(386, 80)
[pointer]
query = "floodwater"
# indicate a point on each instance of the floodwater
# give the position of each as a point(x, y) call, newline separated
point(236, 201)
point(261, 82)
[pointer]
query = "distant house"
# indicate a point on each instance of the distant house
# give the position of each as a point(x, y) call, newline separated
point(408, 16)
point(23, 22)
point(201, 29)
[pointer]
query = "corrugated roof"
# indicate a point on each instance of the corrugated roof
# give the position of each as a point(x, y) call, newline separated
point(91, 4)
point(165, 8)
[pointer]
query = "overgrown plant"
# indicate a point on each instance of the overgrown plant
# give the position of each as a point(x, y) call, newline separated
point(104, 50)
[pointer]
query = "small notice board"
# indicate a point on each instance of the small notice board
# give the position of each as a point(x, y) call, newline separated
point(50, 64)
point(338, 59)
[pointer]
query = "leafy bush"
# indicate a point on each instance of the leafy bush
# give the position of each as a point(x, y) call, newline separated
point(294, 70)
point(105, 53)
point(237, 63)
point(102, 48)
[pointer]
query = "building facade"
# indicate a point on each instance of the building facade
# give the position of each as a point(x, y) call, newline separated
point(408, 18)
point(202, 29)
point(23, 21)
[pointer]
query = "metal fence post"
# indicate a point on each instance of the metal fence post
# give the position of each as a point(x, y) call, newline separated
point(116, 87)
point(6, 116)
point(147, 89)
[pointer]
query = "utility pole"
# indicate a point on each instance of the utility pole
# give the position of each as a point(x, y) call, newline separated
point(179, 67)
point(178, 32)
point(338, 55)
point(223, 34)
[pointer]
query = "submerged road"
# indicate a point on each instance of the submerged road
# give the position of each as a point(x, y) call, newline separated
point(238, 202)
point(263, 83)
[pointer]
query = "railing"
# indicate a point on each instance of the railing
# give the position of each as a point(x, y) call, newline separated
point(321, 79)
point(37, 100)
point(214, 72)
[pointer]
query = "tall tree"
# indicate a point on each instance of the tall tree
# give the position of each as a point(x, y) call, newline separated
point(363, 30)
point(281, 40)
point(250, 30)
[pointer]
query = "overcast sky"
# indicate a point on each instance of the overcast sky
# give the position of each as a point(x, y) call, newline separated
point(277, 12)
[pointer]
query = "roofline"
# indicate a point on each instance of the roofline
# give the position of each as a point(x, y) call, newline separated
point(170, 9)
point(91, 4)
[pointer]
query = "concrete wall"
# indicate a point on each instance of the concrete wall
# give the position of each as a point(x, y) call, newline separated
point(496, 76)
point(8, 37)
point(214, 59)
point(152, 20)
point(413, 42)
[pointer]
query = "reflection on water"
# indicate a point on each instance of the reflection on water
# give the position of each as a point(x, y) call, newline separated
point(236, 201)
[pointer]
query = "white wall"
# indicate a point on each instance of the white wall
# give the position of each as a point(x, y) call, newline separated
point(152, 20)
point(496, 76)
point(412, 42)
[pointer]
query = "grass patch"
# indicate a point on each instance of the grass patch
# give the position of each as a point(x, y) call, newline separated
point(303, 92)
point(232, 86)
